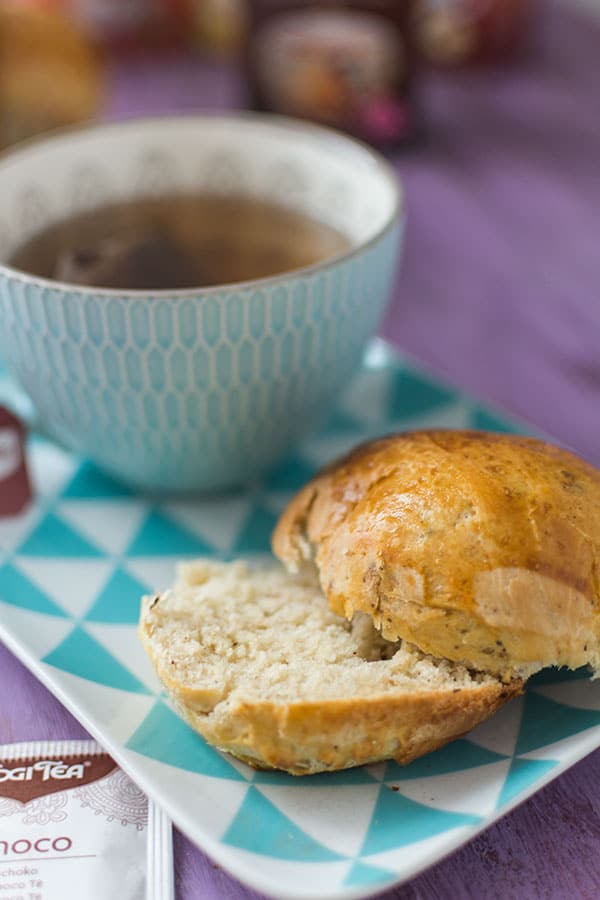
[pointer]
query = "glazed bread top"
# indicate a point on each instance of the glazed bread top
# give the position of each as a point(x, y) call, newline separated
point(481, 548)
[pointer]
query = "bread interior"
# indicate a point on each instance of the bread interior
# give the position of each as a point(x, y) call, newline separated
point(232, 632)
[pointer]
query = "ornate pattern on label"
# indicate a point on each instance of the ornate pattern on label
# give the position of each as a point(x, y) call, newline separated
point(116, 798)
point(41, 811)
point(45, 810)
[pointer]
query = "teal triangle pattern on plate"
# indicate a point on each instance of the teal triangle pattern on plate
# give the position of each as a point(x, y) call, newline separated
point(119, 601)
point(358, 775)
point(557, 676)
point(398, 821)
point(161, 536)
point(545, 722)
point(339, 420)
point(362, 874)
point(521, 775)
point(483, 420)
point(18, 590)
point(291, 475)
point(413, 395)
point(454, 757)
point(255, 534)
point(54, 537)
point(165, 737)
point(261, 827)
point(89, 483)
point(82, 655)
point(383, 809)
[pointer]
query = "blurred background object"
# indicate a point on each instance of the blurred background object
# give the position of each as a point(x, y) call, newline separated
point(348, 64)
point(351, 64)
point(455, 32)
point(132, 25)
point(49, 74)
point(219, 25)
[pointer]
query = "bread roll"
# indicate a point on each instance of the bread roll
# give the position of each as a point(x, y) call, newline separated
point(480, 548)
point(256, 663)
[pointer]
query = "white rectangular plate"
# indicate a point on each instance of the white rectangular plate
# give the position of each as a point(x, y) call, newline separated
point(72, 570)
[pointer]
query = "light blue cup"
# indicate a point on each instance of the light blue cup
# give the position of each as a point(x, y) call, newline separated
point(195, 390)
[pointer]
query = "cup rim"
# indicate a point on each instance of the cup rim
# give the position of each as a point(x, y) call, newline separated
point(287, 123)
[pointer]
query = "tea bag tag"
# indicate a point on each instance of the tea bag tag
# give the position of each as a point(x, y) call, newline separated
point(15, 485)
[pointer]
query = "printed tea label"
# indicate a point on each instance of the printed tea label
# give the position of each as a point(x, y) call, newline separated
point(72, 825)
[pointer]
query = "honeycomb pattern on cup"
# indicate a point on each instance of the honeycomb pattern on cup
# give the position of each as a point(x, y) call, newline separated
point(177, 391)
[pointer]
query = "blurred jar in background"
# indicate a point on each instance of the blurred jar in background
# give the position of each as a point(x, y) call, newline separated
point(348, 64)
point(458, 32)
point(49, 74)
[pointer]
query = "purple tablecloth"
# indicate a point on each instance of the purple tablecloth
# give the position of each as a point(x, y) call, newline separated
point(498, 292)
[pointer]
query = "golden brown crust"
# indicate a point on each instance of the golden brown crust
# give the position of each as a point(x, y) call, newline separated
point(309, 737)
point(481, 548)
point(305, 736)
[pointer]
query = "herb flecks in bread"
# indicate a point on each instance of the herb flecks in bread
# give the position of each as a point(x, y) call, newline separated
point(258, 664)
point(481, 548)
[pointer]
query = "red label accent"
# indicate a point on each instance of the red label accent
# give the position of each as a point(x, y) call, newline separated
point(27, 779)
point(15, 486)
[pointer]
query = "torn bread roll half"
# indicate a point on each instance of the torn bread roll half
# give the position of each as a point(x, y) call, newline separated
point(479, 548)
point(430, 574)
point(257, 663)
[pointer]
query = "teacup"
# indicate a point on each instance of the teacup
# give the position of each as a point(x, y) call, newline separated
point(195, 390)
